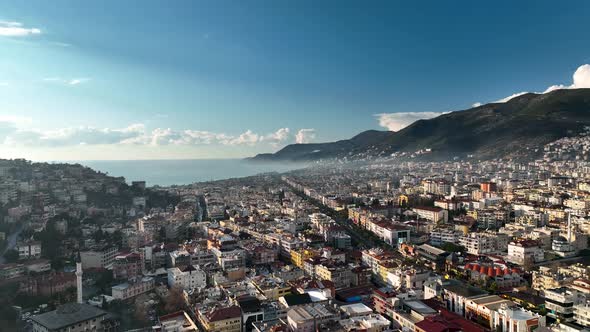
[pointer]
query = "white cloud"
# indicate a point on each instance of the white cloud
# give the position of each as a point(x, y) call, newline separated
point(555, 87)
point(278, 136)
point(76, 81)
point(16, 29)
point(10, 24)
point(66, 81)
point(580, 79)
point(476, 104)
point(398, 121)
point(199, 137)
point(16, 131)
point(15, 119)
point(247, 138)
point(305, 136)
point(505, 99)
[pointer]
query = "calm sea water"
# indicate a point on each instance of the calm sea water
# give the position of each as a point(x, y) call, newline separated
point(169, 172)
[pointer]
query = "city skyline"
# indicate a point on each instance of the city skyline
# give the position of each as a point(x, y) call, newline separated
point(229, 80)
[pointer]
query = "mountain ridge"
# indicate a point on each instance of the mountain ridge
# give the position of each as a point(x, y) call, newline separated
point(515, 128)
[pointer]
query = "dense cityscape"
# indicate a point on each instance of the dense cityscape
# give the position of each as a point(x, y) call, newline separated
point(294, 166)
point(384, 245)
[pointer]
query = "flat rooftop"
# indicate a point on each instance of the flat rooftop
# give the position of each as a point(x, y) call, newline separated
point(464, 290)
point(67, 315)
point(420, 307)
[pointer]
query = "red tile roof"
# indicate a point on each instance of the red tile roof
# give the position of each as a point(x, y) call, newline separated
point(224, 313)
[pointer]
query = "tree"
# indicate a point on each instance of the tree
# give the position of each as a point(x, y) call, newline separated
point(452, 247)
point(174, 300)
point(104, 280)
point(98, 235)
point(117, 238)
point(50, 239)
point(105, 304)
point(493, 287)
point(141, 312)
point(529, 263)
point(11, 256)
point(162, 234)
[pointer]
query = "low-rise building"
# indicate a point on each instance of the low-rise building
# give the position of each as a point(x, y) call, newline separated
point(72, 317)
point(128, 266)
point(133, 288)
point(176, 322)
point(434, 214)
point(271, 288)
point(311, 317)
point(220, 318)
point(338, 273)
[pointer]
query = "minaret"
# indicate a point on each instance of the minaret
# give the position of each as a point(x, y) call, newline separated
point(569, 228)
point(79, 281)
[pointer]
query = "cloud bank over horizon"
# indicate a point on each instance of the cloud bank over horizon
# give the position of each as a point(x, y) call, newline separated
point(15, 131)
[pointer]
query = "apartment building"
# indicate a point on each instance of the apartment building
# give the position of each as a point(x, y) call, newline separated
point(29, 249)
point(525, 252)
point(133, 288)
point(188, 278)
point(99, 257)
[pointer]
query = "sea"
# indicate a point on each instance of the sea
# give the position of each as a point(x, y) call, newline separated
point(180, 172)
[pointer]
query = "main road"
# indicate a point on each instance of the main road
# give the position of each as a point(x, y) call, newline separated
point(361, 236)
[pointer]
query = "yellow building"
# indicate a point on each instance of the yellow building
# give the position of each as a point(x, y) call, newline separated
point(221, 319)
point(299, 256)
point(339, 274)
point(546, 279)
point(271, 288)
point(384, 269)
point(354, 213)
point(402, 200)
point(554, 214)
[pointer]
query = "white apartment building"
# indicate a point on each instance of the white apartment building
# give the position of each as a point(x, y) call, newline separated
point(484, 243)
point(98, 258)
point(407, 278)
point(30, 249)
point(188, 278)
point(516, 319)
point(582, 314)
point(434, 214)
point(131, 289)
point(317, 219)
point(577, 204)
point(438, 187)
point(525, 252)
point(440, 236)
point(389, 232)
point(560, 302)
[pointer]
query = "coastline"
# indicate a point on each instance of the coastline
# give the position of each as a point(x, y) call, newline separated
point(167, 172)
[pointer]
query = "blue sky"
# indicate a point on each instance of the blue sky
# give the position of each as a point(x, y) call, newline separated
point(222, 79)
